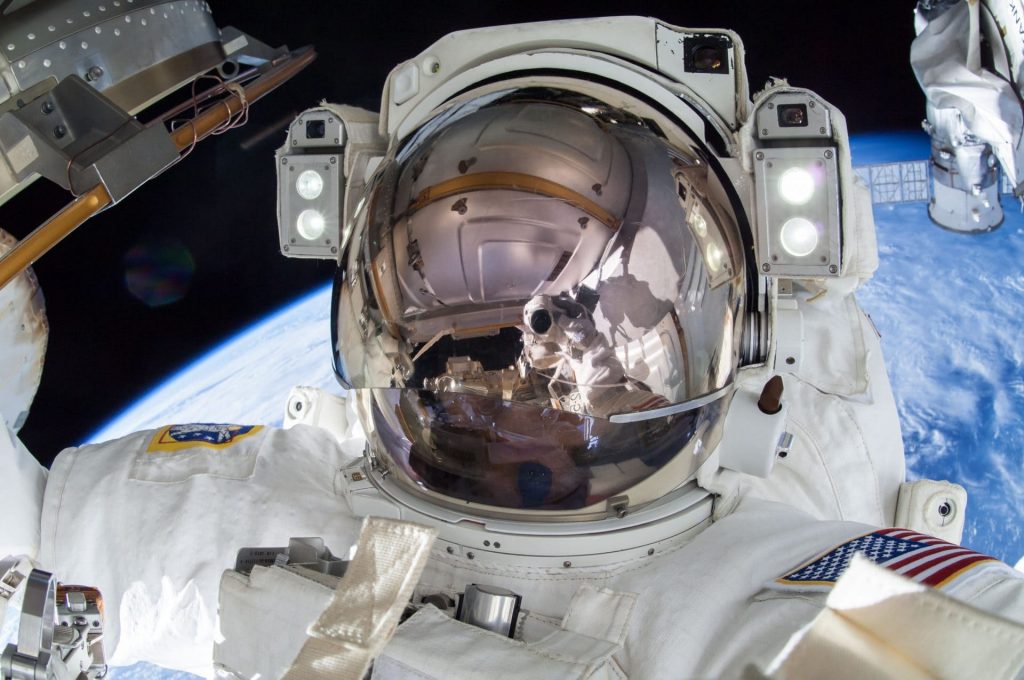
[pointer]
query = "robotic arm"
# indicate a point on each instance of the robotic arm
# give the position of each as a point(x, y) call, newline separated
point(968, 59)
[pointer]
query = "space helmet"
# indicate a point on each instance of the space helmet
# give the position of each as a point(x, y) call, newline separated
point(540, 305)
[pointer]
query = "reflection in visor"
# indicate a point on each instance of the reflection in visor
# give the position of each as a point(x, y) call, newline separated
point(544, 248)
point(520, 456)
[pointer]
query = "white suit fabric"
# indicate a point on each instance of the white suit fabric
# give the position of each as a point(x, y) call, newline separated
point(156, 538)
point(154, 531)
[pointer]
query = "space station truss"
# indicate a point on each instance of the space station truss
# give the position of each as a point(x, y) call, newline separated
point(906, 182)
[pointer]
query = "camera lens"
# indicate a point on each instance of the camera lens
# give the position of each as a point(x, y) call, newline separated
point(707, 58)
point(708, 53)
point(540, 321)
point(315, 129)
point(792, 115)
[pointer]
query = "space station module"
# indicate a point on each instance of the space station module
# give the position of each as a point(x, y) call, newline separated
point(611, 408)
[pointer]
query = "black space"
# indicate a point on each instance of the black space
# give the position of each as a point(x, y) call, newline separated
point(108, 349)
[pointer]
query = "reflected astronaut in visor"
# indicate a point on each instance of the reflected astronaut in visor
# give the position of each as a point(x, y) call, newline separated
point(546, 285)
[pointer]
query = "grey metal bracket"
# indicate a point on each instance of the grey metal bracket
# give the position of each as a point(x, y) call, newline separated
point(28, 660)
point(242, 48)
point(77, 138)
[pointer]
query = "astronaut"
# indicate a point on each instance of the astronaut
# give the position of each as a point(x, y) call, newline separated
point(611, 405)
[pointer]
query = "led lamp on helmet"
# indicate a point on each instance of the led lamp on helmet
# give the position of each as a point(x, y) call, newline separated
point(539, 306)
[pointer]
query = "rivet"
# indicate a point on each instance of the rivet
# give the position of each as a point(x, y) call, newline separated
point(759, 155)
point(567, 564)
point(497, 545)
point(650, 551)
point(451, 550)
point(828, 153)
point(470, 555)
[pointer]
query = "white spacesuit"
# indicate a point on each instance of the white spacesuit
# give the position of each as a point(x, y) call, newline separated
point(572, 257)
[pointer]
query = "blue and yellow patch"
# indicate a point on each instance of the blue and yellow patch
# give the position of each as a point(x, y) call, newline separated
point(205, 435)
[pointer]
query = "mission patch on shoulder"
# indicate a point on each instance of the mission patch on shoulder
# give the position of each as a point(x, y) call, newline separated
point(921, 558)
point(206, 435)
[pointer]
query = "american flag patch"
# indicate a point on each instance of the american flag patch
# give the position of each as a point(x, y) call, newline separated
point(924, 559)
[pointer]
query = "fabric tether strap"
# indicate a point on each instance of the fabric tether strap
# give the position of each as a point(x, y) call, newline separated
point(367, 604)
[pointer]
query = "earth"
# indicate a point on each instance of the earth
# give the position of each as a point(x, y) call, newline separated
point(949, 308)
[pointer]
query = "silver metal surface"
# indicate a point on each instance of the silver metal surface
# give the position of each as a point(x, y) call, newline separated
point(692, 405)
point(544, 297)
point(77, 138)
point(134, 51)
point(121, 41)
point(13, 571)
point(29, 658)
point(516, 204)
point(491, 608)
